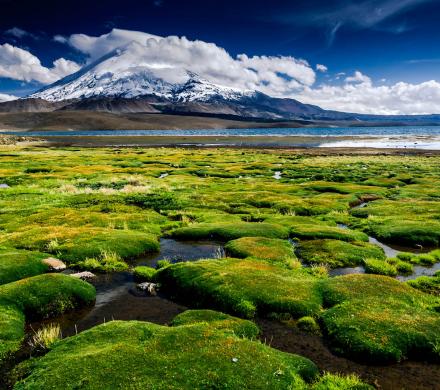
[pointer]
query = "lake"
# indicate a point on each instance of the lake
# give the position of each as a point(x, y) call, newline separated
point(414, 137)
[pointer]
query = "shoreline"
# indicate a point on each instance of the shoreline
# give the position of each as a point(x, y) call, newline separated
point(325, 145)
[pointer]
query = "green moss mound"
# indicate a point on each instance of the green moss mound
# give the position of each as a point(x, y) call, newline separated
point(427, 284)
point(17, 264)
point(37, 297)
point(406, 232)
point(143, 273)
point(314, 232)
point(335, 253)
point(379, 267)
point(261, 247)
point(308, 324)
point(230, 231)
point(379, 319)
point(244, 287)
point(76, 244)
point(142, 355)
point(240, 327)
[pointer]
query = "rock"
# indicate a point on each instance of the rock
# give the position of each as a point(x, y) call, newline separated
point(86, 275)
point(150, 288)
point(4, 185)
point(54, 264)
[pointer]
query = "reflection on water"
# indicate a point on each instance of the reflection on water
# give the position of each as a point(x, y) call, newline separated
point(390, 252)
point(420, 270)
point(346, 271)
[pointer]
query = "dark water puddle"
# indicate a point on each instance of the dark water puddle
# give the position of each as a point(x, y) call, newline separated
point(390, 251)
point(346, 271)
point(117, 297)
point(407, 375)
point(182, 251)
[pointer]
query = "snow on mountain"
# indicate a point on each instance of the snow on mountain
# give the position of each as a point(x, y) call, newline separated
point(126, 73)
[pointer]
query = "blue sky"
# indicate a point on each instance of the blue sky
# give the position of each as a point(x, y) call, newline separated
point(388, 41)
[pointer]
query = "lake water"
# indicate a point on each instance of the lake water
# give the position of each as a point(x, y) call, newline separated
point(413, 137)
point(414, 131)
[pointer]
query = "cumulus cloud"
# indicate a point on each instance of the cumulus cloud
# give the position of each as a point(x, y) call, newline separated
point(6, 98)
point(169, 56)
point(321, 68)
point(19, 64)
point(359, 95)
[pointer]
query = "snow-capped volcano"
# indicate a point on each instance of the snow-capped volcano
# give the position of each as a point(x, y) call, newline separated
point(136, 78)
point(124, 73)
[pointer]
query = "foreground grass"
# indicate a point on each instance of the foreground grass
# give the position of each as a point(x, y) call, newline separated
point(202, 349)
point(34, 298)
point(100, 209)
point(145, 355)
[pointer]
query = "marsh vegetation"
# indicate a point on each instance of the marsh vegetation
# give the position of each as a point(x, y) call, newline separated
point(215, 231)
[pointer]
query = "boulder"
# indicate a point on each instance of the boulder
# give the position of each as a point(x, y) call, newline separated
point(86, 275)
point(150, 288)
point(54, 264)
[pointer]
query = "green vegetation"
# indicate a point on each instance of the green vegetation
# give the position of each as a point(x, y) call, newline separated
point(338, 382)
point(366, 317)
point(379, 319)
point(242, 328)
point(230, 231)
point(100, 209)
point(244, 287)
point(261, 247)
point(307, 232)
point(379, 267)
point(143, 273)
point(308, 324)
point(45, 337)
point(40, 296)
point(18, 264)
point(162, 263)
point(145, 355)
point(427, 284)
point(335, 253)
point(202, 349)
point(106, 262)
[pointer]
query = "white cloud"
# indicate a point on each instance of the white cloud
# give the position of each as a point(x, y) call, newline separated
point(19, 64)
point(16, 32)
point(358, 77)
point(169, 57)
point(321, 68)
point(6, 98)
point(359, 94)
point(60, 39)
point(96, 47)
